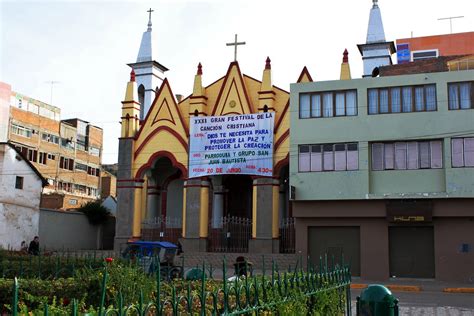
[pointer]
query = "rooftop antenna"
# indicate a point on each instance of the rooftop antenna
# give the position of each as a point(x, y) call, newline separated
point(52, 83)
point(450, 18)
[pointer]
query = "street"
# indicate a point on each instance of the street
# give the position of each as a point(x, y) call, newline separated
point(429, 303)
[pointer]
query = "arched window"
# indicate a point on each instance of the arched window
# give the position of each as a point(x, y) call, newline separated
point(141, 95)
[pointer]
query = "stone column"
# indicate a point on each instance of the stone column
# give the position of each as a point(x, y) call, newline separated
point(153, 200)
point(126, 185)
point(218, 206)
point(265, 228)
point(137, 212)
point(217, 202)
point(195, 215)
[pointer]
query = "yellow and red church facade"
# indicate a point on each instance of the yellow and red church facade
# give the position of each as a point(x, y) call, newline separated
point(158, 191)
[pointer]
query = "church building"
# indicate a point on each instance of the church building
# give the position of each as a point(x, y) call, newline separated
point(159, 195)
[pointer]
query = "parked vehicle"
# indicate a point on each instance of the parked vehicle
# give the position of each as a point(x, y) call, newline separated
point(153, 254)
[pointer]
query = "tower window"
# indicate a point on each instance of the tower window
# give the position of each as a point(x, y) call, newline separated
point(141, 94)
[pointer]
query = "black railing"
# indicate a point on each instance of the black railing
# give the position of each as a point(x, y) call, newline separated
point(287, 235)
point(231, 235)
point(162, 228)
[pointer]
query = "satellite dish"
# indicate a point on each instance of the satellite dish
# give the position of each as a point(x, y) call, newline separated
point(375, 72)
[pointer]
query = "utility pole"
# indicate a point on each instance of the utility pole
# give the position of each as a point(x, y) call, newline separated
point(450, 18)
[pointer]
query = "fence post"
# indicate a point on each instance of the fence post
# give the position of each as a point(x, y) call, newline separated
point(15, 297)
point(104, 287)
point(203, 293)
point(74, 307)
point(158, 290)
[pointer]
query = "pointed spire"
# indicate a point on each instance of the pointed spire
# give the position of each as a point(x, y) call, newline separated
point(268, 63)
point(197, 89)
point(199, 71)
point(145, 52)
point(375, 31)
point(132, 75)
point(345, 58)
point(267, 76)
point(345, 68)
point(266, 95)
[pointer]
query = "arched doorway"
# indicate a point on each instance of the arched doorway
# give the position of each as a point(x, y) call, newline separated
point(164, 202)
point(230, 224)
point(238, 196)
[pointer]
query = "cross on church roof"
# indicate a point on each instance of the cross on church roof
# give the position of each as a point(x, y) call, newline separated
point(235, 44)
point(149, 18)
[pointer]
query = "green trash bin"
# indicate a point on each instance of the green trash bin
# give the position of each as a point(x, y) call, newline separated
point(377, 300)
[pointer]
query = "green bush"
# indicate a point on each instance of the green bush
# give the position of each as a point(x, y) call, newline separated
point(131, 284)
point(95, 212)
point(26, 266)
point(35, 292)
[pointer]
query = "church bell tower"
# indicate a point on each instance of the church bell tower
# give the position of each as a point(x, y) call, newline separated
point(149, 73)
point(376, 51)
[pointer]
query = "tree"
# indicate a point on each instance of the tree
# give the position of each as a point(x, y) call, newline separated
point(95, 212)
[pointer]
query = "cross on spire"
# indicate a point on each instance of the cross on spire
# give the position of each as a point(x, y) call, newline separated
point(235, 44)
point(149, 19)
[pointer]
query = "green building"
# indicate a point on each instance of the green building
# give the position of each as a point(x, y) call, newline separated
point(382, 169)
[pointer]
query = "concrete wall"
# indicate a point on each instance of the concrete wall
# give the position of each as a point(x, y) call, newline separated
point(363, 128)
point(67, 230)
point(19, 208)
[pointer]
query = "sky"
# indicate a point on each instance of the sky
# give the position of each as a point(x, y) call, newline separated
point(85, 45)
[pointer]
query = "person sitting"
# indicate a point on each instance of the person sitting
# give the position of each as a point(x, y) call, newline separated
point(23, 247)
point(33, 249)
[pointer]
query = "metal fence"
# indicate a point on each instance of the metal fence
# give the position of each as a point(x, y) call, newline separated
point(233, 235)
point(287, 235)
point(49, 265)
point(162, 228)
point(247, 295)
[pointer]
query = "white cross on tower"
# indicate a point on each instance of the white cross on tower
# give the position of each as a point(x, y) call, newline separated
point(235, 44)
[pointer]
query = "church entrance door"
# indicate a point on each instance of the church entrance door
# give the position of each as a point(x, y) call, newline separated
point(231, 225)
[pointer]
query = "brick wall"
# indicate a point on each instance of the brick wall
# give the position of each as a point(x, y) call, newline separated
point(439, 64)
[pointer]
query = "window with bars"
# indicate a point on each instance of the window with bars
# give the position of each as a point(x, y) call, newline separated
point(461, 95)
point(328, 104)
point(462, 152)
point(407, 155)
point(402, 99)
point(328, 157)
